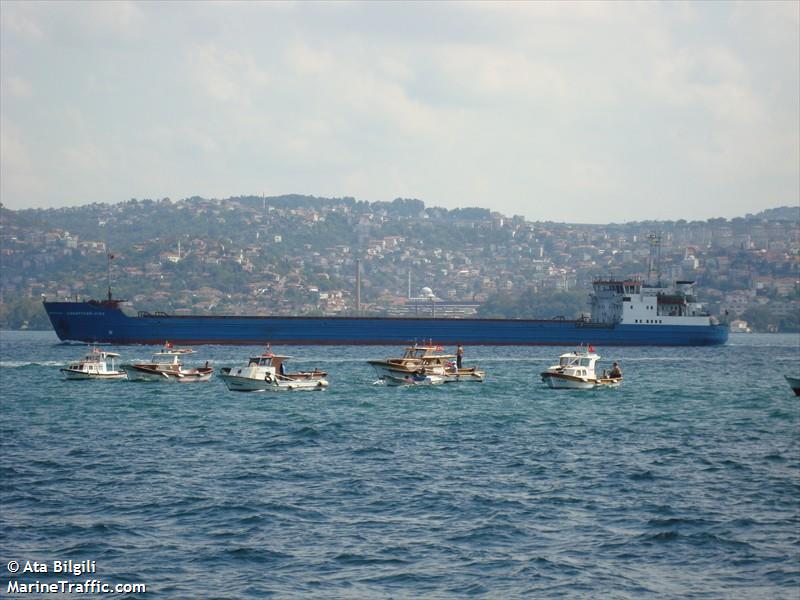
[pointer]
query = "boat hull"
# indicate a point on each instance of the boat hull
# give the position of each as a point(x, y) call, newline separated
point(465, 375)
point(388, 370)
point(142, 373)
point(96, 322)
point(414, 380)
point(569, 382)
point(75, 375)
point(248, 384)
point(794, 383)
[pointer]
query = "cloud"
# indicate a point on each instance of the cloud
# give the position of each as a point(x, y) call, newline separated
point(17, 87)
point(586, 104)
point(227, 75)
point(488, 74)
point(21, 180)
point(19, 19)
point(74, 24)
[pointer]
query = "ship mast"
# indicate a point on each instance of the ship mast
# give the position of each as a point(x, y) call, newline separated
point(358, 287)
point(103, 222)
point(654, 263)
point(108, 270)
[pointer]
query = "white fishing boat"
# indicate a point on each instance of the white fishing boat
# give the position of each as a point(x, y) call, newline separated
point(266, 373)
point(97, 364)
point(424, 361)
point(794, 383)
point(167, 365)
point(577, 370)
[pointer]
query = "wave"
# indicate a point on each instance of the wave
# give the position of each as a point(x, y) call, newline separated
point(18, 364)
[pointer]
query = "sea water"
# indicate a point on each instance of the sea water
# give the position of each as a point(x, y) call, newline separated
point(682, 483)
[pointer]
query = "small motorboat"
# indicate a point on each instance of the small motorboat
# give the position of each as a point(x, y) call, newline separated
point(166, 365)
point(267, 373)
point(414, 379)
point(424, 361)
point(794, 383)
point(576, 370)
point(97, 364)
point(169, 349)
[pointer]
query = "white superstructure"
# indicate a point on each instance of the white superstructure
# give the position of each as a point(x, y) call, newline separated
point(632, 302)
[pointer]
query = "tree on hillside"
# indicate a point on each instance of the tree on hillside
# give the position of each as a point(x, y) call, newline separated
point(531, 304)
point(24, 312)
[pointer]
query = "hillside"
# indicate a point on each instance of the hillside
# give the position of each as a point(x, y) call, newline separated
point(297, 255)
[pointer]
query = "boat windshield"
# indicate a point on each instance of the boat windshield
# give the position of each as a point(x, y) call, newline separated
point(165, 358)
point(575, 361)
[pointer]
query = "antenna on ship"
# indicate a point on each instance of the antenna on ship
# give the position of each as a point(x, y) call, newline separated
point(109, 256)
point(654, 264)
point(358, 287)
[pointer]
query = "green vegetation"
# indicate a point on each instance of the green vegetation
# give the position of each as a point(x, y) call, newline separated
point(23, 313)
point(762, 319)
point(530, 304)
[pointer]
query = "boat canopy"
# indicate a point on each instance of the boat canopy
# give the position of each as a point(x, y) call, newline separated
point(425, 352)
point(96, 353)
point(578, 359)
point(267, 360)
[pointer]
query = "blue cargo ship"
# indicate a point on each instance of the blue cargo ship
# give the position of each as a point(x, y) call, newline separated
point(624, 312)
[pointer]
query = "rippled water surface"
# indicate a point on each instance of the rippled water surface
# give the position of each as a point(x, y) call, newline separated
point(684, 482)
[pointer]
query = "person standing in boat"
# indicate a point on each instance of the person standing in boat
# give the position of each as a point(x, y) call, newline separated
point(459, 355)
point(616, 371)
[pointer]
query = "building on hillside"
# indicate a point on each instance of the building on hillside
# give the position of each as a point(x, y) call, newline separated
point(427, 304)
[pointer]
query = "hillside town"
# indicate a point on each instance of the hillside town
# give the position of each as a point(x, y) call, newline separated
point(299, 255)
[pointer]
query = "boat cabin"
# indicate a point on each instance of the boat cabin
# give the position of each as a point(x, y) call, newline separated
point(576, 361)
point(426, 354)
point(166, 358)
point(96, 362)
point(577, 364)
point(267, 360)
point(420, 352)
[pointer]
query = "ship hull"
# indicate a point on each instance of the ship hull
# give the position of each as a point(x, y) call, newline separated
point(93, 322)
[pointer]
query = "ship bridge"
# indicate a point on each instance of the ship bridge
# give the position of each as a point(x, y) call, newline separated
point(609, 295)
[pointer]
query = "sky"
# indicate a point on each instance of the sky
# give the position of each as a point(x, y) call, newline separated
point(584, 112)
